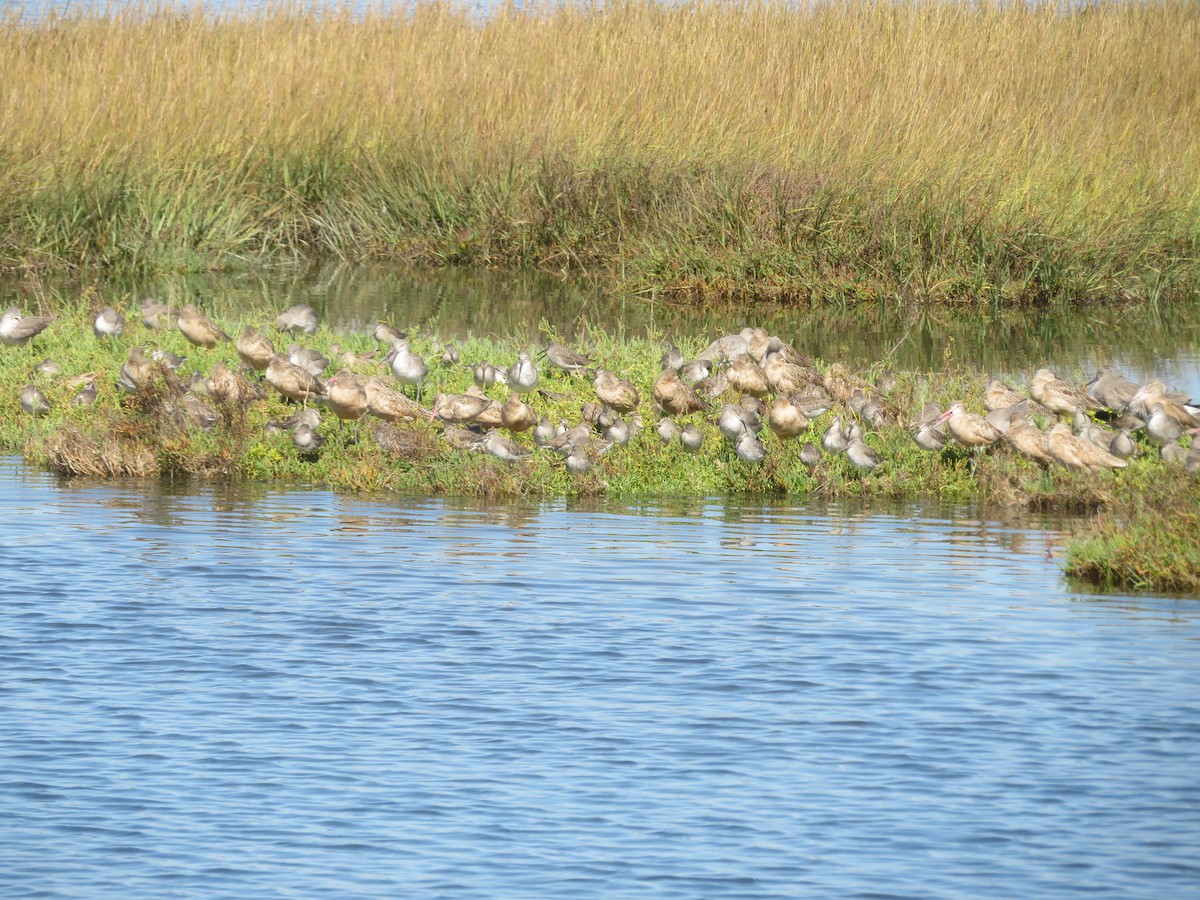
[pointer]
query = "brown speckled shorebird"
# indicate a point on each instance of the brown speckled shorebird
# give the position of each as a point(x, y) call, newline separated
point(1076, 453)
point(292, 381)
point(617, 393)
point(137, 371)
point(516, 415)
point(564, 358)
point(785, 418)
point(745, 375)
point(255, 349)
point(389, 404)
point(674, 397)
point(347, 398)
point(1028, 441)
point(459, 409)
point(199, 328)
point(1058, 396)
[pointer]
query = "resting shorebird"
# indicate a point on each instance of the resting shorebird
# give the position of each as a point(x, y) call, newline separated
point(667, 430)
point(292, 381)
point(692, 438)
point(16, 329)
point(1076, 453)
point(298, 317)
point(199, 328)
point(523, 374)
point(109, 323)
point(34, 401)
point(615, 392)
point(1058, 396)
point(674, 397)
point(255, 349)
point(497, 445)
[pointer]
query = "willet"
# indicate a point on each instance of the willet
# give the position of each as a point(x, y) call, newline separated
point(34, 401)
point(735, 420)
point(387, 334)
point(523, 374)
point(109, 323)
point(306, 440)
point(1161, 428)
point(835, 438)
point(298, 317)
point(1112, 389)
point(728, 348)
point(407, 366)
point(497, 445)
point(810, 455)
point(564, 358)
point(861, 455)
point(199, 329)
point(16, 329)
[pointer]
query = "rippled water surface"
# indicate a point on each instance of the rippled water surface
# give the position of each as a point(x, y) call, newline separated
point(240, 692)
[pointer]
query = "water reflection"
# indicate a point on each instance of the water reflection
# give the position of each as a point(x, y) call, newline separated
point(1162, 340)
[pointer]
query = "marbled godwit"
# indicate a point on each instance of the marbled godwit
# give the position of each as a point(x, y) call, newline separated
point(691, 438)
point(347, 398)
point(744, 375)
point(516, 415)
point(407, 365)
point(785, 418)
point(778, 346)
point(16, 329)
point(497, 445)
point(459, 409)
point(255, 349)
point(840, 383)
point(813, 400)
point(109, 323)
point(998, 395)
point(786, 377)
point(199, 329)
point(463, 438)
point(564, 358)
point(389, 404)
point(34, 401)
point(1173, 405)
point(727, 347)
point(1076, 453)
point(1058, 396)
point(228, 387)
point(523, 374)
point(615, 392)
point(298, 317)
point(674, 397)
point(292, 381)
point(1028, 441)
point(970, 430)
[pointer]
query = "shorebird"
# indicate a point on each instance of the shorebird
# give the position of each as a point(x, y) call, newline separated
point(840, 383)
point(484, 374)
point(788, 377)
point(255, 349)
point(672, 358)
point(450, 355)
point(87, 396)
point(563, 357)
point(1122, 445)
point(543, 432)
point(674, 397)
point(523, 374)
point(16, 329)
point(407, 366)
point(1112, 389)
point(1058, 396)
point(785, 418)
point(1161, 428)
point(347, 398)
point(109, 323)
point(314, 362)
point(171, 360)
point(1028, 441)
point(998, 395)
point(1173, 454)
point(695, 371)
point(306, 440)
point(835, 439)
point(735, 420)
point(728, 348)
point(1088, 430)
point(862, 456)
point(199, 412)
point(199, 328)
point(1174, 405)
point(615, 392)
point(692, 438)
point(298, 317)
point(516, 415)
point(47, 368)
point(810, 455)
point(619, 432)
point(1076, 453)
point(234, 390)
point(34, 401)
point(667, 430)
point(745, 375)
point(970, 430)
point(156, 315)
point(389, 404)
point(308, 416)
point(292, 381)
point(578, 461)
point(387, 334)
point(137, 371)
point(459, 409)
point(927, 429)
point(713, 386)
point(749, 448)
point(497, 445)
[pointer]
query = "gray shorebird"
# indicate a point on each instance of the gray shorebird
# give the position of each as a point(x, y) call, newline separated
point(306, 440)
point(387, 334)
point(734, 420)
point(570, 361)
point(862, 456)
point(17, 329)
point(314, 362)
point(497, 445)
point(47, 368)
point(171, 360)
point(749, 448)
point(1122, 446)
point(543, 432)
point(407, 365)
point(523, 374)
point(298, 317)
point(836, 438)
point(292, 381)
point(156, 315)
point(691, 438)
point(137, 371)
point(578, 461)
point(695, 371)
point(199, 328)
point(87, 396)
point(109, 323)
point(255, 349)
point(1112, 389)
point(34, 401)
point(1161, 428)
point(810, 455)
point(667, 430)
point(672, 358)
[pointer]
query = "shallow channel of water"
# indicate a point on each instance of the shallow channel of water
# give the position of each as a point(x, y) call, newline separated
point(232, 691)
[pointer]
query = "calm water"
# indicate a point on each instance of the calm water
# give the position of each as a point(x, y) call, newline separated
point(230, 692)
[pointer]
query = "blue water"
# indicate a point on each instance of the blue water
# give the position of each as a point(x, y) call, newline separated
point(227, 692)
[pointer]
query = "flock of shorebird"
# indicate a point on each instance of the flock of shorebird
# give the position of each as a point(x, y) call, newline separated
point(761, 379)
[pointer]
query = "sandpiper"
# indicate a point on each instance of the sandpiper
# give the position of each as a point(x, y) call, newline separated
point(137, 371)
point(836, 438)
point(16, 329)
point(306, 440)
point(109, 323)
point(578, 461)
point(497, 445)
point(87, 396)
point(34, 401)
point(667, 430)
point(749, 448)
point(692, 438)
point(862, 456)
point(785, 418)
point(298, 317)
point(523, 374)
point(810, 455)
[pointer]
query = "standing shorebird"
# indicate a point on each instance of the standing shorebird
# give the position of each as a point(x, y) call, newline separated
point(523, 374)
point(292, 381)
point(785, 418)
point(407, 366)
point(255, 349)
point(109, 323)
point(674, 397)
point(563, 357)
point(1058, 396)
point(34, 401)
point(199, 328)
point(155, 315)
point(836, 438)
point(347, 398)
point(16, 329)
point(862, 456)
point(692, 438)
point(617, 393)
point(516, 415)
point(298, 317)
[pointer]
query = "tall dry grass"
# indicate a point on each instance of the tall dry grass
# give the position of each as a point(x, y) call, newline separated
point(984, 146)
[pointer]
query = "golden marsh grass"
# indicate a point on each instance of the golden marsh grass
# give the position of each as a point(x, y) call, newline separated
point(939, 150)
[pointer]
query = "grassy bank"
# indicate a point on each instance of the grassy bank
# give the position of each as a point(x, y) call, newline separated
point(848, 152)
point(144, 435)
